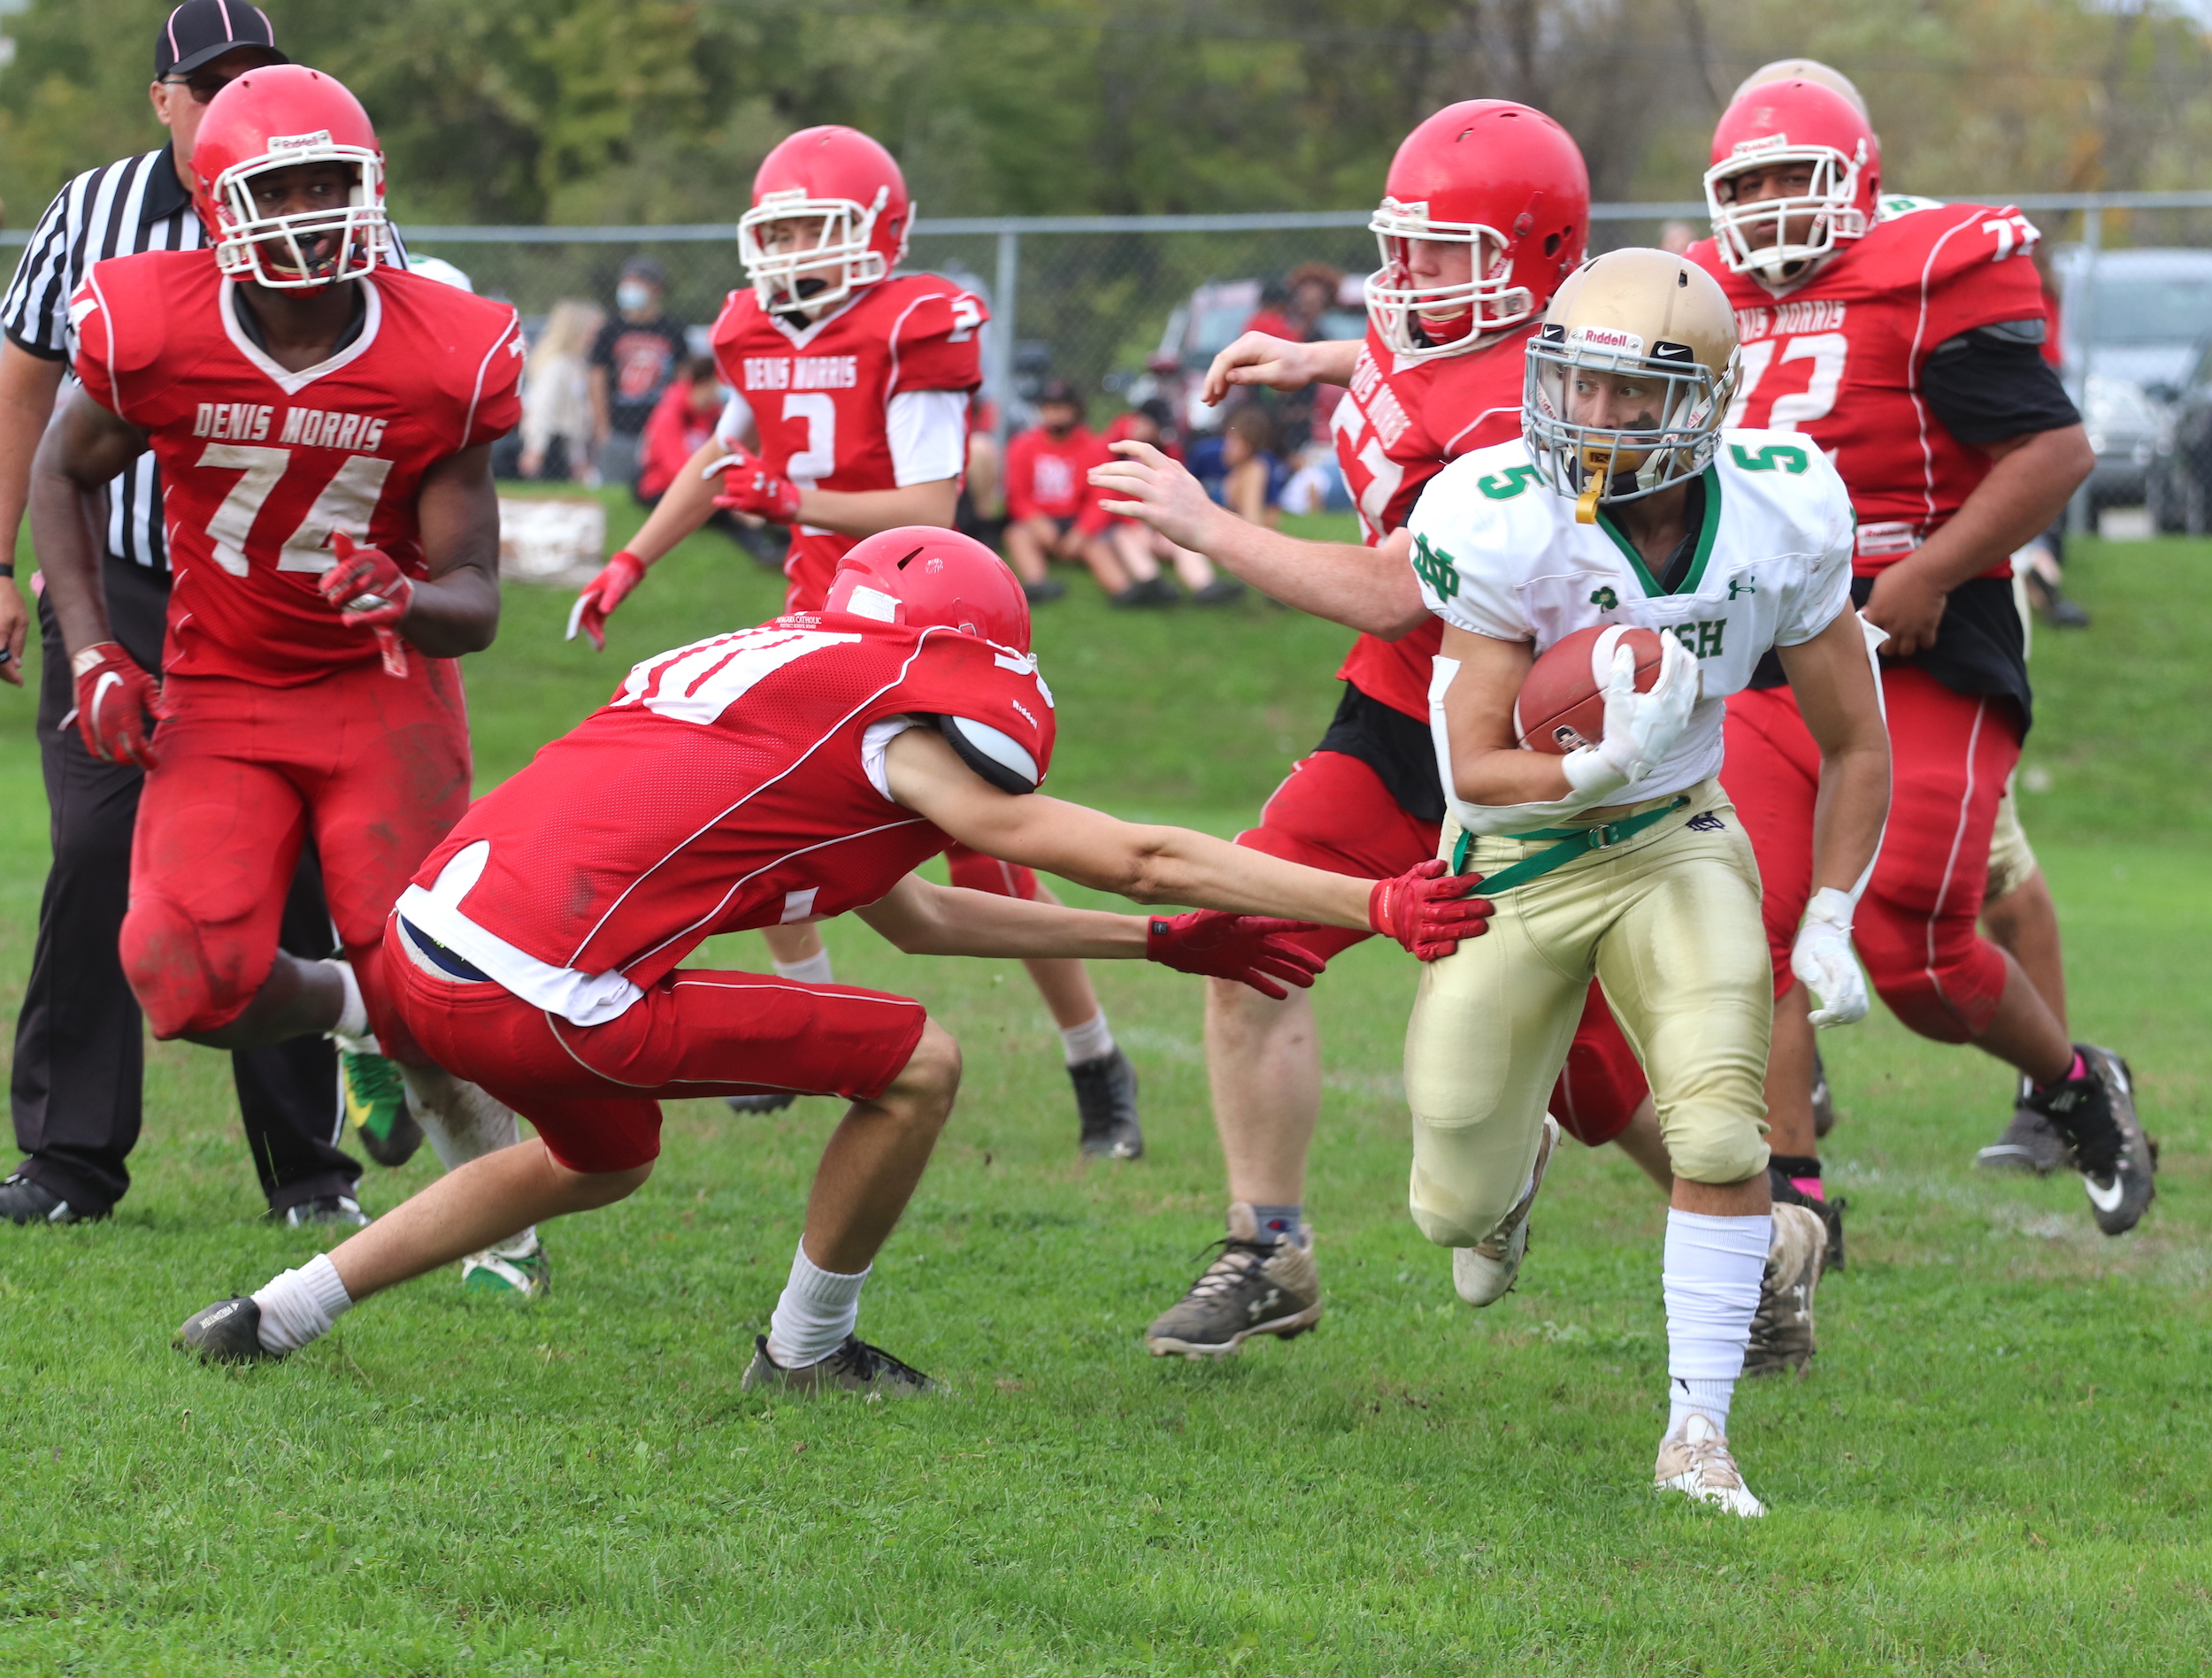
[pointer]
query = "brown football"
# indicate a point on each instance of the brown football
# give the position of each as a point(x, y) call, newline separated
point(1561, 705)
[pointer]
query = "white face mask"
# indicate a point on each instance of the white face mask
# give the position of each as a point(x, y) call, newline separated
point(633, 296)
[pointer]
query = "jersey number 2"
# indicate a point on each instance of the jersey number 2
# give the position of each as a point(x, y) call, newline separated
point(819, 459)
point(347, 501)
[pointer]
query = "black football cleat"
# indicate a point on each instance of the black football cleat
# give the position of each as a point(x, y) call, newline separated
point(2030, 1143)
point(2096, 1114)
point(1106, 1102)
point(24, 1201)
point(854, 1367)
point(228, 1331)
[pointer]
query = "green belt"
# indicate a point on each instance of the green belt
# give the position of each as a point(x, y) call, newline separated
point(1573, 841)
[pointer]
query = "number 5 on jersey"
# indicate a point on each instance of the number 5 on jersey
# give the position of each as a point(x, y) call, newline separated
point(348, 499)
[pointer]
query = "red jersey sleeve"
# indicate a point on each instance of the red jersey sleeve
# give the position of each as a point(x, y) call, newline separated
point(935, 343)
point(496, 408)
point(1021, 475)
point(94, 365)
point(120, 324)
point(1980, 271)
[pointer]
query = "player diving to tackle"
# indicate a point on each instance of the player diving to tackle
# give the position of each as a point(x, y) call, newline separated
point(853, 376)
point(1625, 504)
point(305, 402)
point(774, 777)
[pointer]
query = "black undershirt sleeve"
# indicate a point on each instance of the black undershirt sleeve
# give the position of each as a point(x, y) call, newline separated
point(1993, 383)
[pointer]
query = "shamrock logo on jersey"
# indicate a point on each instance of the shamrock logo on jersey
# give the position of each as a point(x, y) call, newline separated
point(1436, 568)
point(1605, 599)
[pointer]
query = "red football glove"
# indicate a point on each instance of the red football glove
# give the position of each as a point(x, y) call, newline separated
point(600, 595)
point(1429, 911)
point(1249, 947)
point(369, 589)
point(749, 487)
point(115, 699)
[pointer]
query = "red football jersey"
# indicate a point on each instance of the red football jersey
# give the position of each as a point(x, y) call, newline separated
point(260, 465)
point(821, 393)
point(1051, 475)
point(1840, 358)
point(1397, 428)
point(726, 786)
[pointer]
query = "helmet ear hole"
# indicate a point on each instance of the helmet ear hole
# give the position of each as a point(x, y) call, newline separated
point(1551, 243)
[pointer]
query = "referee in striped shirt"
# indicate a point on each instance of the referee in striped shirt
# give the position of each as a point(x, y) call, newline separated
point(78, 1047)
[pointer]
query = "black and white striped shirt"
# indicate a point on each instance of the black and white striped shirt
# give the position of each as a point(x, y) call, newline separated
point(117, 209)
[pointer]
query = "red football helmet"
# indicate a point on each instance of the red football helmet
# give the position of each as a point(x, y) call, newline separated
point(846, 202)
point(923, 574)
point(1499, 178)
point(275, 117)
point(1798, 121)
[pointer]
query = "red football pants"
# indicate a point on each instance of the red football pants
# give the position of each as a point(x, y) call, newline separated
point(377, 768)
point(975, 872)
point(1333, 812)
point(594, 1092)
point(1950, 754)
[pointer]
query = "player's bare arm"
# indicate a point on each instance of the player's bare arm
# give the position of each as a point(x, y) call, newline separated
point(1488, 765)
point(2029, 485)
point(864, 512)
point(1262, 360)
point(1146, 865)
point(455, 608)
point(27, 387)
point(1364, 588)
point(82, 454)
point(1834, 682)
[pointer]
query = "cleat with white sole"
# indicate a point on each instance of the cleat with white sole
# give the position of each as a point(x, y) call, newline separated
point(515, 1271)
point(1697, 1463)
point(1484, 1273)
point(854, 1367)
point(1782, 1332)
point(1254, 1287)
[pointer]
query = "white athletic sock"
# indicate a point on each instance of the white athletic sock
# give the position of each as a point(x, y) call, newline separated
point(814, 971)
point(818, 1310)
point(353, 1015)
point(1712, 1272)
point(301, 1305)
point(1087, 1041)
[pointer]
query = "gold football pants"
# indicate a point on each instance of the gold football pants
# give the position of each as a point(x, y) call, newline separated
point(1668, 920)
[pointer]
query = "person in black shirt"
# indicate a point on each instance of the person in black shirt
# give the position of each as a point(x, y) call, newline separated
point(636, 354)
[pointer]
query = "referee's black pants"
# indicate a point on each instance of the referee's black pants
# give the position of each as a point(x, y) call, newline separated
point(80, 1041)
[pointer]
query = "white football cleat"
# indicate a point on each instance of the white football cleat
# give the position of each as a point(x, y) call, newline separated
point(1484, 1273)
point(1696, 1462)
point(515, 1271)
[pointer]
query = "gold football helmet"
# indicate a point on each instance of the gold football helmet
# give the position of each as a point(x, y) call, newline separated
point(1801, 70)
point(1627, 379)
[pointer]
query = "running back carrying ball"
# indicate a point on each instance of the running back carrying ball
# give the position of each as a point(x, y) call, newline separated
point(1562, 703)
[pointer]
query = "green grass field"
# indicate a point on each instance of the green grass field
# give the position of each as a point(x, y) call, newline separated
point(1999, 1463)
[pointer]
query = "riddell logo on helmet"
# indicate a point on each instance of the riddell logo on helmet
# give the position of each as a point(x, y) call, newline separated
point(1612, 337)
point(300, 141)
point(1764, 142)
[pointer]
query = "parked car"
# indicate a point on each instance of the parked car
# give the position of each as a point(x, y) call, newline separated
point(2132, 324)
point(2178, 493)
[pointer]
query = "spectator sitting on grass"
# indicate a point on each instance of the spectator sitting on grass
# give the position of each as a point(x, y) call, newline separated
point(1240, 468)
point(1051, 513)
point(1139, 547)
point(681, 422)
point(557, 424)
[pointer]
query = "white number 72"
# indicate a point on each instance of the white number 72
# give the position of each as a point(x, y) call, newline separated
point(348, 502)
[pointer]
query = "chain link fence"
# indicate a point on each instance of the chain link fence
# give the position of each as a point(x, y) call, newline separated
point(1130, 308)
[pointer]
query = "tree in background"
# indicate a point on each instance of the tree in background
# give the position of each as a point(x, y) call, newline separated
point(656, 110)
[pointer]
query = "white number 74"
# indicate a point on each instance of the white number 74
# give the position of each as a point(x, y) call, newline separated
point(348, 502)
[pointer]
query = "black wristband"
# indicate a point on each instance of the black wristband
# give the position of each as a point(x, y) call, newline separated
point(7, 568)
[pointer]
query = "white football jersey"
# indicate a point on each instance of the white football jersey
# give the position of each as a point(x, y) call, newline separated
point(1500, 553)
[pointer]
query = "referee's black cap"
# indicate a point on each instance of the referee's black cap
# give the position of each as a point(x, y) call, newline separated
point(201, 31)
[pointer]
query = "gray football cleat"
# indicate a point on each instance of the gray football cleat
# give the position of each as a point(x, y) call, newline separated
point(1254, 1287)
point(854, 1367)
point(228, 1331)
point(1484, 1273)
point(1106, 1104)
point(2030, 1143)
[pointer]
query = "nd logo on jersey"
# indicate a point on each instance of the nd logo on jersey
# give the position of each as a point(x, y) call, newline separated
point(1436, 568)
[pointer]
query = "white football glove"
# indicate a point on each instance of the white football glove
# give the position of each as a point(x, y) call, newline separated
point(1641, 728)
point(1823, 961)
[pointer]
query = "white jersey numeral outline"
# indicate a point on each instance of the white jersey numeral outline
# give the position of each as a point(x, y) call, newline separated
point(819, 459)
point(348, 500)
point(1826, 350)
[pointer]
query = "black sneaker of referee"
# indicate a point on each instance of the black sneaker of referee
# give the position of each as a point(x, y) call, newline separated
point(24, 1201)
point(2095, 1111)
